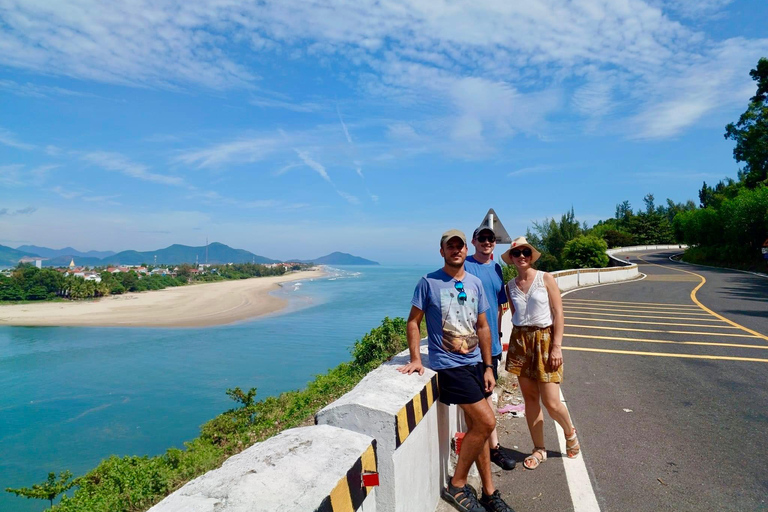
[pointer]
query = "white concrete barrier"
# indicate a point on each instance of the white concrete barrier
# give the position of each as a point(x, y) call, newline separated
point(412, 430)
point(302, 469)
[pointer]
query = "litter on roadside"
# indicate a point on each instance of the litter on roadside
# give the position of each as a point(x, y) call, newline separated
point(511, 408)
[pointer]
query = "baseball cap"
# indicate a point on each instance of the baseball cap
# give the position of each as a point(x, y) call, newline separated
point(482, 228)
point(452, 233)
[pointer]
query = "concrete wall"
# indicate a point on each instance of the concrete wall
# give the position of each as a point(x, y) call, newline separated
point(302, 469)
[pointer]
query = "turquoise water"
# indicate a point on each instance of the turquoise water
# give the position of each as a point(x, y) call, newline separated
point(73, 396)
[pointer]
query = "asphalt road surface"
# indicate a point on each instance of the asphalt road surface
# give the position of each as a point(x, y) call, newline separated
point(668, 391)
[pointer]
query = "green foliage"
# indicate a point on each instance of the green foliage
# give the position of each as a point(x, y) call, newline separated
point(586, 251)
point(245, 399)
point(49, 489)
point(508, 272)
point(550, 237)
point(380, 344)
point(751, 132)
point(730, 235)
point(133, 484)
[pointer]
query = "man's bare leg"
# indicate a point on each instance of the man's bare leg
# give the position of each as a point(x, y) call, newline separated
point(474, 447)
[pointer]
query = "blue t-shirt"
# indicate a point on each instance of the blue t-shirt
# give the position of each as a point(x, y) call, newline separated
point(493, 285)
point(451, 321)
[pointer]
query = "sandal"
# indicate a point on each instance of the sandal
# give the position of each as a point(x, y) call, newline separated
point(572, 448)
point(462, 498)
point(538, 456)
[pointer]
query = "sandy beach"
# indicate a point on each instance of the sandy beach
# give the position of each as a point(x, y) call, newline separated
point(199, 305)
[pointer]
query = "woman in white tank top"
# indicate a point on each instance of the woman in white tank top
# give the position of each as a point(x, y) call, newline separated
point(535, 354)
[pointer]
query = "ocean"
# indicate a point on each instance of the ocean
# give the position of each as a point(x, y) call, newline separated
point(72, 396)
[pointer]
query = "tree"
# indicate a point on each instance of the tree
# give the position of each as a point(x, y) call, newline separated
point(751, 131)
point(49, 489)
point(650, 207)
point(586, 251)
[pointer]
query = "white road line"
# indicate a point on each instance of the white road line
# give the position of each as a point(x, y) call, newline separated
point(582, 493)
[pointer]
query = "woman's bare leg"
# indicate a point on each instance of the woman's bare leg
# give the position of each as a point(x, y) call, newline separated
point(550, 397)
point(533, 413)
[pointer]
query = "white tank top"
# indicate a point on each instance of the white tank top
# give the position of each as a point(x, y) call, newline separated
point(532, 308)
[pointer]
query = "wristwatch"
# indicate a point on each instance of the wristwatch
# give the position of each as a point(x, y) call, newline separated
point(488, 366)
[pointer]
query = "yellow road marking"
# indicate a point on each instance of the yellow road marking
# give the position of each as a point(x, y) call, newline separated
point(637, 310)
point(650, 323)
point(633, 303)
point(668, 332)
point(705, 308)
point(624, 315)
point(643, 340)
point(665, 354)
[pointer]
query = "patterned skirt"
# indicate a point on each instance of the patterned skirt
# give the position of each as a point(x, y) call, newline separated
point(528, 354)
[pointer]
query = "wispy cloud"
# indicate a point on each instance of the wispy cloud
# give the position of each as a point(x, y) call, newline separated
point(29, 210)
point(37, 91)
point(85, 195)
point(312, 164)
point(119, 163)
point(287, 105)
point(245, 150)
point(8, 139)
point(271, 204)
point(536, 169)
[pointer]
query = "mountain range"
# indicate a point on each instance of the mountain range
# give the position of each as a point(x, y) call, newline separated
point(172, 255)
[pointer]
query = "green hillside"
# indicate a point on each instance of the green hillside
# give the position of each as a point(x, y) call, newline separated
point(177, 254)
point(342, 258)
point(9, 257)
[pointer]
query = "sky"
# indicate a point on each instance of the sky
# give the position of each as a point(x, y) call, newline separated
point(295, 128)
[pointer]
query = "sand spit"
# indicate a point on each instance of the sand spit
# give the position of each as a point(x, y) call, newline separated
point(199, 305)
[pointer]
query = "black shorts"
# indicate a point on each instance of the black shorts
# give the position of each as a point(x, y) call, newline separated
point(495, 360)
point(462, 385)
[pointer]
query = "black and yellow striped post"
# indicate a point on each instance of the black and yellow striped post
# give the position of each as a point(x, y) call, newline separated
point(413, 412)
point(349, 494)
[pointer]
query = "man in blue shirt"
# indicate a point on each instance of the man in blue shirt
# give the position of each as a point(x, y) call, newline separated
point(488, 271)
point(459, 342)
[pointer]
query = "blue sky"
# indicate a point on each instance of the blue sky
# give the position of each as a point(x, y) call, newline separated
point(297, 128)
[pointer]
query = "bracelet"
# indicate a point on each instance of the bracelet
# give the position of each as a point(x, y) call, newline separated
point(488, 366)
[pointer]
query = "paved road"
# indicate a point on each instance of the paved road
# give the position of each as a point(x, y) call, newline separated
point(670, 399)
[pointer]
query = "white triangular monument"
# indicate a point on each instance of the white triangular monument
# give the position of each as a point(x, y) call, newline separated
point(492, 222)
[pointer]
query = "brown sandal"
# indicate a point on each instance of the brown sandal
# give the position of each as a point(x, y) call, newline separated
point(538, 456)
point(572, 448)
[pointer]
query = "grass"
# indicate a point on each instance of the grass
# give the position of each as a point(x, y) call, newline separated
point(740, 258)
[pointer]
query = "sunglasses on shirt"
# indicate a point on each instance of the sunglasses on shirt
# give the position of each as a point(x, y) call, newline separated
point(460, 288)
point(518, 252)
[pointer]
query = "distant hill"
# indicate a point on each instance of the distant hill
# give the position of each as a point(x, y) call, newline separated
point(46, 252)
point(341, 258)
point(63, 261)
point(9, 257)
point(176, 254)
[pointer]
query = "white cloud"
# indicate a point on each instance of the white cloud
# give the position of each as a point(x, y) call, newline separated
point(479, 72)
point(119, 163)
point(287, 105)
point(8, 139)
point(312, 164)
point(245, 150)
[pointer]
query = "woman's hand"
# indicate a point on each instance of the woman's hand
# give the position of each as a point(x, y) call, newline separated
point(555, 357)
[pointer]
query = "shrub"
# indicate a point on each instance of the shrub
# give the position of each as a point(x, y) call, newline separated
point(586, 251)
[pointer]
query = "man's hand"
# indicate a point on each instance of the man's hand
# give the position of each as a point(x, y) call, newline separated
point(490, 382)
point(413, 366)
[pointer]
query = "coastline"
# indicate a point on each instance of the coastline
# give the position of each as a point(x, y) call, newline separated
point(197, 305)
